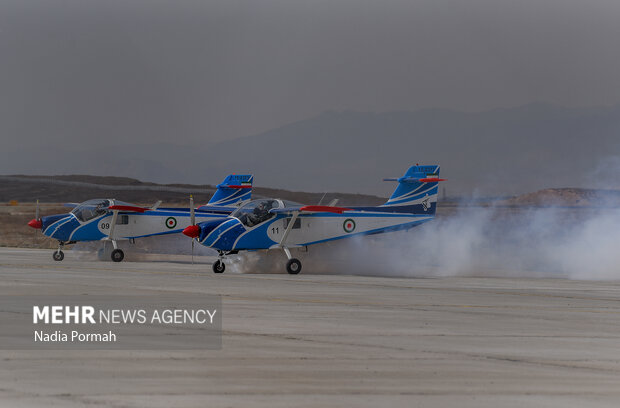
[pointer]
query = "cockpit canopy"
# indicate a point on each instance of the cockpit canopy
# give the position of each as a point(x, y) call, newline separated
point(256, 211)
point(90, 209)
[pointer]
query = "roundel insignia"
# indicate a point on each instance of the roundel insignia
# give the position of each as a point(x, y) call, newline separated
point(171, 222)
point(348, 225)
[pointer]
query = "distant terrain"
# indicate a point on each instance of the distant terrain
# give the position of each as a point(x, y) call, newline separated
point(502, 151)
point(77, 188)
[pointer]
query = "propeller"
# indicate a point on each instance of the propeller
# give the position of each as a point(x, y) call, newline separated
point(36, 217)
point(36, 221)
point(192, 220)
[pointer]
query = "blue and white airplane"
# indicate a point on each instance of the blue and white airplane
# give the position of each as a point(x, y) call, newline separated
point(278, 224)
point(114, 220)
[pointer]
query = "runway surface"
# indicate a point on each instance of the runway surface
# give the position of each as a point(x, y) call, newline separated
point(325, 341)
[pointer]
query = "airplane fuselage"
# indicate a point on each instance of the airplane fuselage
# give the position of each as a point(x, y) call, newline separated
point(308, 229)
point(67, 227)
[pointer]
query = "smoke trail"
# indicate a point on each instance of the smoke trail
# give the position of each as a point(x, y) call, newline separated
point(575, 243)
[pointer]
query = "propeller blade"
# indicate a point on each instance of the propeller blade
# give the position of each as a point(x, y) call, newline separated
point(36, 224)
point(192, 216)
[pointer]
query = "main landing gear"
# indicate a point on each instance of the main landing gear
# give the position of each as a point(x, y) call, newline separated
point(116, 255)
point(293, 266)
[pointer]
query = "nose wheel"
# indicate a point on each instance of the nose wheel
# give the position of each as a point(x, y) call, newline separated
point(218, 266)
point(58, 255)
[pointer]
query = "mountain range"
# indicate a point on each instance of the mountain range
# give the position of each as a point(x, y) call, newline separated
point(502, 151)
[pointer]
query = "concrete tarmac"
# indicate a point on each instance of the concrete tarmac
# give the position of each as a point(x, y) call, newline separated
point(331, 340)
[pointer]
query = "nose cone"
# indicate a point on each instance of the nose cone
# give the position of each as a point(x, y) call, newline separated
point(193, 231)
point(34, 223)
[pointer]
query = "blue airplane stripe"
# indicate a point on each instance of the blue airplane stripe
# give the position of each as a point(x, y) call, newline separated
point(232, 195)
point(349, 214)
point(175, 231)
point(228, 202)
point(428, 193)
point(55, 224)
point(233, 198)
point(223, 236)
point(60, 224)
point(414, 192)
point(264, 226)
point(375, 231)
point(220, 230)
point(91, 230)
point(393, 209)
point(218, 233)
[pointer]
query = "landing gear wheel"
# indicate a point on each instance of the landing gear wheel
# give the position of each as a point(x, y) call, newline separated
point(219, 267)
point(117, 255)
point(58, 255)
point(293, 266)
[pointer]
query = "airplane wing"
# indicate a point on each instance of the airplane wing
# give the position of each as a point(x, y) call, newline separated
point(71, 205)
point(124, 207)
point(310, 209)
point(128, 208)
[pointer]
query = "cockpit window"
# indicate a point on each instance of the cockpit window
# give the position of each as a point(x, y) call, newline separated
point(91, 209)
point(255, 212)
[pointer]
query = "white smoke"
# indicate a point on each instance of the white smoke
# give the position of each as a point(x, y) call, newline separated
point(500, 242)
point(574, 243)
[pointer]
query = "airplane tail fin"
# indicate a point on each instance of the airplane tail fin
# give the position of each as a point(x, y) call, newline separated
point(236, 189)
point(417, 191)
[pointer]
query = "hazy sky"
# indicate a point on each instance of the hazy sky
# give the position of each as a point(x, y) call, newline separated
point(100, 72)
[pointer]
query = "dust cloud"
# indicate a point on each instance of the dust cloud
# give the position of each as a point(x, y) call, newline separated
point(573, 243)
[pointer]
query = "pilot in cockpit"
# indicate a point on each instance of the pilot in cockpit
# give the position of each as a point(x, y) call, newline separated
point(260, 213)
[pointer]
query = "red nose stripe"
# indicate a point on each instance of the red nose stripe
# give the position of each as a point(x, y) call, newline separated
point(193, 231)
point(34, 223)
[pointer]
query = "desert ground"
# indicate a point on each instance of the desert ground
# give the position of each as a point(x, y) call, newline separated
point(330, 340)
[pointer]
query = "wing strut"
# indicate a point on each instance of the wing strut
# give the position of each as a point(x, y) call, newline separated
point(112, 227)
point(282, 243)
